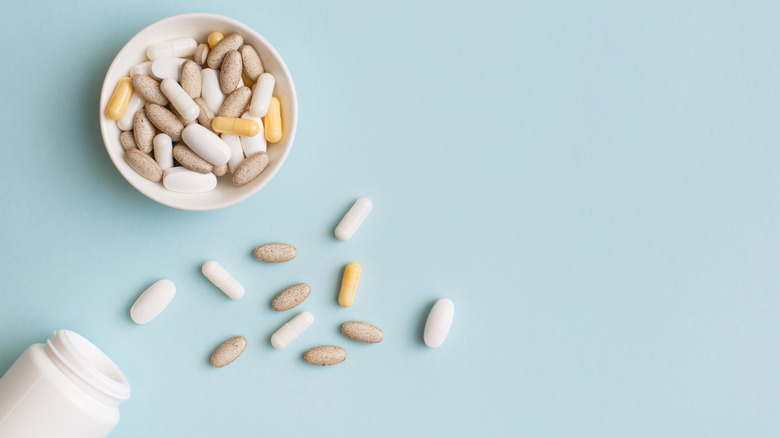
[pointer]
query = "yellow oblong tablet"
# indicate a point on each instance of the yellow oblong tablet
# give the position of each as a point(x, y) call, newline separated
point(349, 284)
point(117, 105)
point(214, 38)
point(230, 125)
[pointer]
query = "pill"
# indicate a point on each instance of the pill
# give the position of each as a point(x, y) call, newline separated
point(179, 48)
point(220, 170)
point(256, 143)
point(353, 219)
point(152, 301)
point(236, 153)
point(225, 45)
point(273, 122)
point(180, 99)
point(143, 165)
point(222, 279)
point(214, 38)
point(349, 284)
point(149, 89)
point(362, 332)
point(325, 355)
point(167, 68)
point(164, 120)
point(235, 103)
point(210, 90)
point(250, 59)
point(291, 297)
point(181, 118)
point(206, 116)
point(143, 68)
point(191, 80)
point(127, 140)
point(439, 321)
point(191, 160)
point(291, 330)
point(230, 125)
point(201, 53)
point(230, 72)
point(206, 144)
point(229, 351)
point(163, 151)
point(126, 122)
point(182, 180)
point(250, 168)
point(275, 252)
point(261, 95)
point(144, 131)
point(117, 104)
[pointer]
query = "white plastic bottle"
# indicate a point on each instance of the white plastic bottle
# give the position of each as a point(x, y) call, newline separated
point(66, 388)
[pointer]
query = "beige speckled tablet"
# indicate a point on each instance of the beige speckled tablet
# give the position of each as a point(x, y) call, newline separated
point(165, 120)
point(230, 72)
point(127, 140)
point(206, 116)
point(220, 170)
point(325, 355)
point(201, 53)
point(275, 252)
point(253, 66)
point(362, 332)
point(228, 351)
point(144, 131)
point(291, 297)
point(191, 81)
point(144, 165)
point(235, 104)
point(191, 160)
point(218, 53)
point(250, 168)
point(149, 89)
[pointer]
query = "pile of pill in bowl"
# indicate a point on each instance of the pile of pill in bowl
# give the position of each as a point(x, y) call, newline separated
point(195, 112)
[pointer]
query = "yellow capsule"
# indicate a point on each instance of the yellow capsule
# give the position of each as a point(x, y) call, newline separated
point(214, 38)
point(117, 105)
point(349, 284)
point(247, 81)
point(273, 121)
point(229, 125)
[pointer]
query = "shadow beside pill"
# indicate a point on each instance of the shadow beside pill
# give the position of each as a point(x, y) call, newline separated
point(423, 317)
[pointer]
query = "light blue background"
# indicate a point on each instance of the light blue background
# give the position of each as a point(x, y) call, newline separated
point(594, 184)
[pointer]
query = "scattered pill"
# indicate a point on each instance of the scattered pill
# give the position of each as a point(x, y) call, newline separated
point(220, 170)
point(210, 91)
point(144, 131)
point(136, 103)
point(166, 68)
point(214, 38)
point(206, 144)
point(353, 219)
point(201, 53)
point(349, 284)
point(143, 165)
point(236, 153)
point(230, 72)
point(291, 330)
point(183, 180)
point(439, 321)
point(229, 351)
point(275, 252)
point(291, 297)
point(152, 301)
point(117, 105)
point(191, 160)
point(164, 120)
point(149, 89)
point(273, 122)
point(179, 48)
point(222, 279)
point(180, 99)
point(191, 80)
point(143, 68)
point(250, 168)
point(225, 45)
point(236, 103)
point(206, 116)
point(362, 332)
point(262, 92)
point(325, 355)
point(250, 59)
point(163, 151)
point(231, 125)
point(127, 140)
point(254, 143)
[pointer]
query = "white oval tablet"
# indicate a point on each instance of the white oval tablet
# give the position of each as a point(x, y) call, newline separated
point(153, 301)
point(179, 48)
point(143, 68)
point(126, 122)
point(180, 99)
point(167, 68)
point(206, 144)
point(254, 144)
point(290, 331)
point(183, 180)
point(211, 93)
point(261, 95)
point(439, 322)
point(222, 279)
point(353, 219)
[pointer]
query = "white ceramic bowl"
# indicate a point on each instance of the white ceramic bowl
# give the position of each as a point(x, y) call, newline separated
point(198, 26)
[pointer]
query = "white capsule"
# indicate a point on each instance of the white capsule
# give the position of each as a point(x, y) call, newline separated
point(236, 153)
point(223, 280)
point(439, 321)
point(206, 144)
point(163, 151)
point(126, 122)
point(211, 92)
point(290, 331)
point(254, 144)
point(180, 99)
point(167, 68)
point(183, 180)
point(153, 301)
point(143, 68)
point(353, 219)
point(261, 95)
point(180, 48)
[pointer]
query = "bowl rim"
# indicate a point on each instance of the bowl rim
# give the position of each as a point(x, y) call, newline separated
point(269, 174)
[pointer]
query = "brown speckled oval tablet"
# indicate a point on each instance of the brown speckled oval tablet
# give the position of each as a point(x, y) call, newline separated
point(250, 168)
point(275, 252)
point(164, 120)
point(325, 355)
point(228, 351)
point(149, 89)
point(230, 72)
point(127, 140)
point(217, 54)
point(191, 160)
point(235, 104)
point(291, 297)
point(191, 81)
point(362, 332)
point(220, 170)
point(253, 66)
point(201, 54)
point(144, 131)
point(144, 165)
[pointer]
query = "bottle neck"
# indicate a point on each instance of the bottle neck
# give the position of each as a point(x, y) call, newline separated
point(88, 367)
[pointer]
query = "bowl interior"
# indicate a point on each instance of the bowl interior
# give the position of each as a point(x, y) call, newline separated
point(198, 26)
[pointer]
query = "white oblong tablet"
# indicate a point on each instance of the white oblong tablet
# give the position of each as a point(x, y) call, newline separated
point(206, 144)
point(163, 150)
point(256, 143)
point(179, 48)
point(290, 331)
point(210, 91)
point(183, 180)
point(261, 95)
point(180, 99)
point(236, 153)
point(167, 68)
point(439, 322)
point(152, 301)
point(143, 68)
point(126, 122)
point(353, 219)
point(222, 279)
